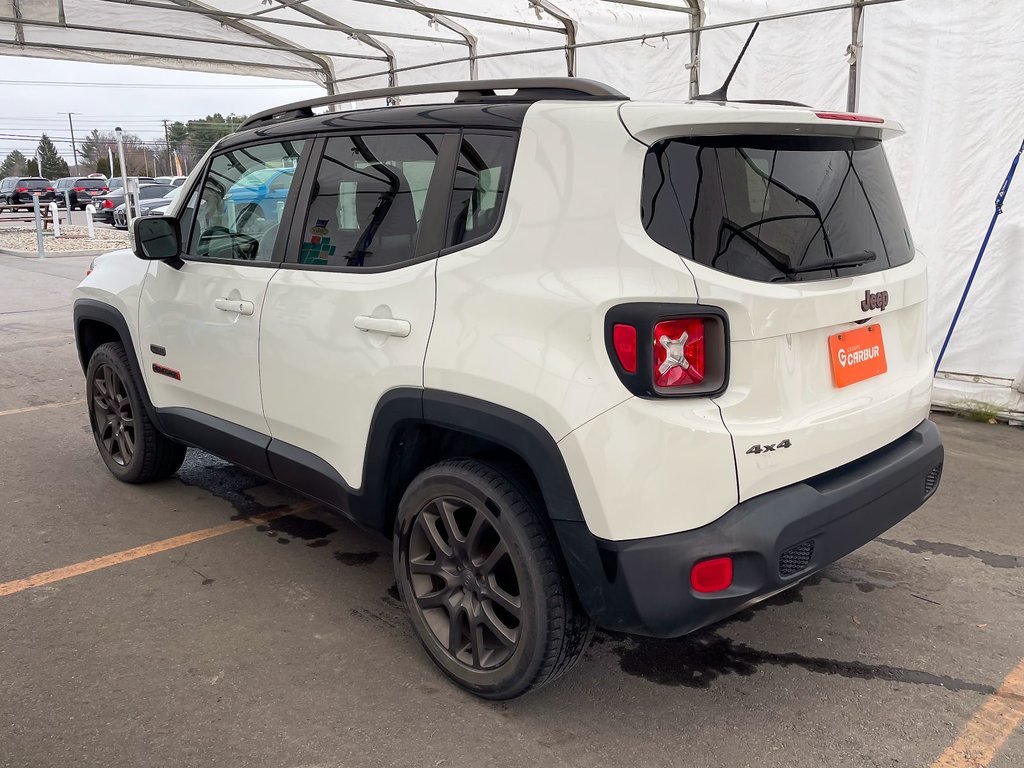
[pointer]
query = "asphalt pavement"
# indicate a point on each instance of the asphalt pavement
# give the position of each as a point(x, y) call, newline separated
point(223, 638)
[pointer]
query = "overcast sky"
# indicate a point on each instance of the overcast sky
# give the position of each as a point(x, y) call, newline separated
point(34, 91)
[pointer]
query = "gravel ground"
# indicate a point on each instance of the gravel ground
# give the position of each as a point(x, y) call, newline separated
point(77, 239)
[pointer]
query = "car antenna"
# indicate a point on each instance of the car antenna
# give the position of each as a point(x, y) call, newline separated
point(722, 93)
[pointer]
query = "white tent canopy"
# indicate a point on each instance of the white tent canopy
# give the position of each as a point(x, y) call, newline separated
point(950, 74)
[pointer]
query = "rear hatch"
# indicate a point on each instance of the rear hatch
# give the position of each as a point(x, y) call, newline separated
point(792, 224)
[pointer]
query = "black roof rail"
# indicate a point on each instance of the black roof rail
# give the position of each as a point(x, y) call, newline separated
point(527, 89)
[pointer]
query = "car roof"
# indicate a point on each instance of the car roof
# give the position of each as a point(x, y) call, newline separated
point(419, 116)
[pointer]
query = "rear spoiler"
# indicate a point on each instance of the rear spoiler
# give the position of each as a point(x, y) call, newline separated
point(649, 122)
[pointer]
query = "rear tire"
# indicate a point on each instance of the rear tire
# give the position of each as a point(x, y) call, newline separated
point(484, 588)
point(128, 442)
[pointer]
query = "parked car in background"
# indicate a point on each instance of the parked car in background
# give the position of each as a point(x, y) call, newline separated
point(174, 181)
point(154, 206)
point(105, 204)
point(79, 189)
point(115, 182)
point(19, 190)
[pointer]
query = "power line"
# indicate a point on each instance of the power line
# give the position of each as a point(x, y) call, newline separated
point(60, 83)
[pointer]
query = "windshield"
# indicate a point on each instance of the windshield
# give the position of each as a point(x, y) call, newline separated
point(91, 183)
point(776, 208)
point(34, 183)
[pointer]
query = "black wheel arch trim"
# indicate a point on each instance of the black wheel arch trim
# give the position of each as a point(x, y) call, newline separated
point(98, 311)
point(518, 433)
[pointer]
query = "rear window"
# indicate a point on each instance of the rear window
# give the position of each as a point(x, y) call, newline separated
point(776, 208)
point(91, 183)
point(34, 183)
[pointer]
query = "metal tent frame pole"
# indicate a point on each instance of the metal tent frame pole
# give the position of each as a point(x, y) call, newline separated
point(625, 39)
point(569, 29)
point(854, 51)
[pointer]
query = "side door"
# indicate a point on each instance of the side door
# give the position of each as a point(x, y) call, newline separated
point(348, 315)
point(200, 317)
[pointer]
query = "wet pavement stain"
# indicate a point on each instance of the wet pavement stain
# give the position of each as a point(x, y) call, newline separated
point(920, 546)
point(231, 483)
point(223, 480)
point(296, 527)
point(698, 660)
point(356, 558)
point(863, 580)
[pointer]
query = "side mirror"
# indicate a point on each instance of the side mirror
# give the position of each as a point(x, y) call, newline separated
point(157, 238)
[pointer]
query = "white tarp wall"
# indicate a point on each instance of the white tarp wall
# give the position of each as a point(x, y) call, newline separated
point(949, 71)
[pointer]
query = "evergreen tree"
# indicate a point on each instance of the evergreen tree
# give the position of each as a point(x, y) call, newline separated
point(32, 168)
point(54, 166)
point(13, 164)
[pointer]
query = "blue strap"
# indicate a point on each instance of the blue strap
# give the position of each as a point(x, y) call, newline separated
point(984, 244)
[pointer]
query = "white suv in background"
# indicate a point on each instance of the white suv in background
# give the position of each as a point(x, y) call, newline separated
point(587, 360)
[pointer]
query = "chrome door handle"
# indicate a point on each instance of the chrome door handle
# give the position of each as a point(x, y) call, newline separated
point(390, 325)
point(234, 305)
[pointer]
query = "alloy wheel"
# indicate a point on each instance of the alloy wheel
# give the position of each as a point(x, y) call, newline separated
point(114, 418)
point(464, 583)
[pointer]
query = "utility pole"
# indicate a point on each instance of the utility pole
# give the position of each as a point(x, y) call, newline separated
point(167, 143)
point(71, 125)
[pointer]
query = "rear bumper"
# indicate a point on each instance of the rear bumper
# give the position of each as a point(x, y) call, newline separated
point(642, 586)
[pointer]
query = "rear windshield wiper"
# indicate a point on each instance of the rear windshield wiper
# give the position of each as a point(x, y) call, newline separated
point(850, 260)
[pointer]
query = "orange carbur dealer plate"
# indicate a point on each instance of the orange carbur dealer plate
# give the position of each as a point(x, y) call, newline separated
point(857, 355)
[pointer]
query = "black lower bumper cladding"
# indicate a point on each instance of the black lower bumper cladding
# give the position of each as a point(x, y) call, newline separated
point(777, 539)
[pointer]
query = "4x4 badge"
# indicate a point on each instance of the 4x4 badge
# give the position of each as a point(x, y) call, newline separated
point(878, 300)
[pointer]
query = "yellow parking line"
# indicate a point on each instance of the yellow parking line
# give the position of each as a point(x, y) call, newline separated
point(986, 732)
point(98, 563)
point(30, 408)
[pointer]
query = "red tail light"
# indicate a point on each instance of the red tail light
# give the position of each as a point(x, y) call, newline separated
point(79, 189)
point(849, 116)
point(49, 189)
point(108, 204)
point(21, 189)
point(668, 350)
point(104, 189)
point(714, 575)
point(679, 352)
point(624, 341)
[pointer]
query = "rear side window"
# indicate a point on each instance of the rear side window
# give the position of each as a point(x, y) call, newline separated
point(241, 201)
point(481, 183)
point(776, 208)
point(368, 200)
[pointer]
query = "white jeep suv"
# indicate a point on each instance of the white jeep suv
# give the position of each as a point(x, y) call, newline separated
point(588, 361)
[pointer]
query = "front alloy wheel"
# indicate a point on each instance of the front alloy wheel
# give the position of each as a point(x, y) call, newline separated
point(114, 417)
point(129, 443)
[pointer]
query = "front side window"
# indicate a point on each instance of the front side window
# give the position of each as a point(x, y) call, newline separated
point(368, 200)
point(481, 182)
point(776, 208)
point(241, 202)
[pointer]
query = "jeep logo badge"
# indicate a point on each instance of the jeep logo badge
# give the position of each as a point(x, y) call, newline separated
point(878, 300)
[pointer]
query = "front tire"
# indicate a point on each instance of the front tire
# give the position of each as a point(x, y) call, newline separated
point(131, 447)
point(483, 586)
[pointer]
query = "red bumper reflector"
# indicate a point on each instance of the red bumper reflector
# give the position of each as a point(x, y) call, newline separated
point(714, 575)
point(624, 341)
point(850, 116)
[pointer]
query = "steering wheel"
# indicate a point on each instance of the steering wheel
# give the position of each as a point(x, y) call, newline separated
point(217, 239)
